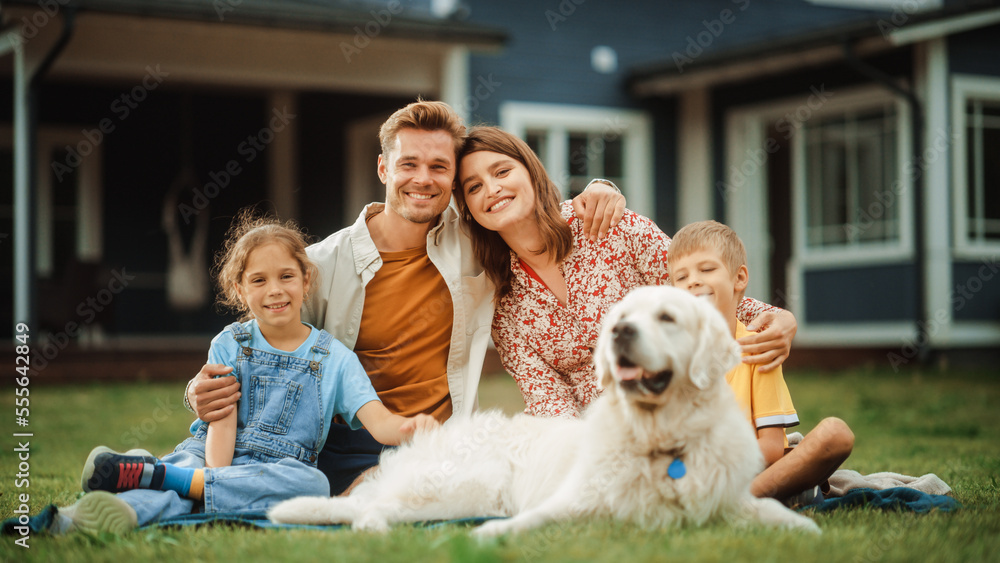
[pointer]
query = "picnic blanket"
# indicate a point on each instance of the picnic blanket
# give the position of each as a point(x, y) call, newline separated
point(885, 490)
point(903, 499)
point(41, 522)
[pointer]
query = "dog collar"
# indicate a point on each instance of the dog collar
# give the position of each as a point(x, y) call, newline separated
point(677, 469)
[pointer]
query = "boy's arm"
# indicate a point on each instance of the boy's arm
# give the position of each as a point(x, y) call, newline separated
point(220, 443)
point(772, 443)
point(392, 429)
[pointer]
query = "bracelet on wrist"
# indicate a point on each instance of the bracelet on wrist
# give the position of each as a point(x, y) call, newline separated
point(603, 181)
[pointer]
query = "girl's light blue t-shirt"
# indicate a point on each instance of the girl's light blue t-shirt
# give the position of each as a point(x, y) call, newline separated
point(344, 387)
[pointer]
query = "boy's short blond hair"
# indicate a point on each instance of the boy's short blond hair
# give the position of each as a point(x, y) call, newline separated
point(712, 236)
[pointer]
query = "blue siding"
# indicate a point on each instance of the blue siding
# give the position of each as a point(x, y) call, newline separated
point(829, 79)
point(878, 293)
point(975, 52)
point(547, 58)
point(976, 292)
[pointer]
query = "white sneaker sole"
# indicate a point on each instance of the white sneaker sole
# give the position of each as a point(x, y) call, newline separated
point(101, 511)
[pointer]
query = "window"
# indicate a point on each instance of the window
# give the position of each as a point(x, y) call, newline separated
point(591, 155)
point(982, 186)
point(577, 144)
point(975, 167)
point(851, 164)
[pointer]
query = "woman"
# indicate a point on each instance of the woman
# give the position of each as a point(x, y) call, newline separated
point(553, 285)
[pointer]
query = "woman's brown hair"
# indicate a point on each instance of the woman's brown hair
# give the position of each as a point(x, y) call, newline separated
point(491, 250)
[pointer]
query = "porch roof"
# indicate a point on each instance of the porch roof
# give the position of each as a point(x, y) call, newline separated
point(869, 34)
point(334, 16)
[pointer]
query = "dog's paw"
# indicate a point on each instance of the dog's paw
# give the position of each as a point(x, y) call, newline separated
point(371, 522)
point(803, 524)
point(302, 510)
point(493, 529)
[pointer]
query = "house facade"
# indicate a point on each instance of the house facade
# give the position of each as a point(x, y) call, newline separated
point(851, 144)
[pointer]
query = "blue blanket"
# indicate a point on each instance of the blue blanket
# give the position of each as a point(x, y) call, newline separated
point(898, 498)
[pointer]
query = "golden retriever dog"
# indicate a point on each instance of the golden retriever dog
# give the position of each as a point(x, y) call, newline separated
point(665, 444)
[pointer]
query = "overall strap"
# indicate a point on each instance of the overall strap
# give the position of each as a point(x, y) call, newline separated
point(241, 334)
point(322, 345)
point(320, 350)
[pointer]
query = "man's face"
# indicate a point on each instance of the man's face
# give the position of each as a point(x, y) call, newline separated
point(418, 173)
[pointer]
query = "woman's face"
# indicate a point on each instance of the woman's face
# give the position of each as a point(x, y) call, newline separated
point(497, 189)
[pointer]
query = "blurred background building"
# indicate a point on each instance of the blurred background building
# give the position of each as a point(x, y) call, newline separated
point(854, 145)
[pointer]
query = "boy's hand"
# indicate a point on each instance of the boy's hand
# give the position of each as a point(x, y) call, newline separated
point(601, 207)
point(771, 346)
point(418, 423)
point(213, 398)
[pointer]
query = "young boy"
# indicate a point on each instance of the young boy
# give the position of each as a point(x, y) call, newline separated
point(708, 259)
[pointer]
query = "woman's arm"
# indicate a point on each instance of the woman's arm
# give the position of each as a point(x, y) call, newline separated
point(392, 429)
point(772, 345)
point(220, 443)
point(600, 206)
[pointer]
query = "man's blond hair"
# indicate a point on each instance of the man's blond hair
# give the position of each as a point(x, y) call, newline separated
point(712, 236)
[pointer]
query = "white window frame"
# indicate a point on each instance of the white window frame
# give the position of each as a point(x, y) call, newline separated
point(746, 210)
point(860, 252)
point(633, 127)
point(964, 88)
point(89, 193)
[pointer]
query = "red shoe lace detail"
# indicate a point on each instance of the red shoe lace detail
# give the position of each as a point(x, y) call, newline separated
point(129, 475)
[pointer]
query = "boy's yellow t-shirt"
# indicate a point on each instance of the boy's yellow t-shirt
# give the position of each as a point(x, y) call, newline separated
point(764, 397)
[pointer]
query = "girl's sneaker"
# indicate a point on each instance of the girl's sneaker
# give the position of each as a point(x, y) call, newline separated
point(108, 470)
point(96, 512)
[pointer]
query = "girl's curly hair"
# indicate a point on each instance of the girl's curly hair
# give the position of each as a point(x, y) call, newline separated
point(248, 232)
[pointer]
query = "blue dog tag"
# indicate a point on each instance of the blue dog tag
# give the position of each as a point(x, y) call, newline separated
point(676, 469)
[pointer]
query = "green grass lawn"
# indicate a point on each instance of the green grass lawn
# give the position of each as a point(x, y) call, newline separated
point(943, 423)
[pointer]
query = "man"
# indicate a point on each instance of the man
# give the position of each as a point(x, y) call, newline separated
point(402, 289)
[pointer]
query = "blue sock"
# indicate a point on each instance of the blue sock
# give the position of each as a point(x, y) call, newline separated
point(176, 478)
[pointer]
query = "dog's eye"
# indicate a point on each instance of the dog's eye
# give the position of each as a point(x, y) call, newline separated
point(665, 317)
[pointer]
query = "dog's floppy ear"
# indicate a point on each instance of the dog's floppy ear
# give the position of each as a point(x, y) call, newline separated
point(715, 351)
point(605, 371)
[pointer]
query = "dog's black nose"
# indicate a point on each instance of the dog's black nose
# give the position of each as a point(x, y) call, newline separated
point(623, 331)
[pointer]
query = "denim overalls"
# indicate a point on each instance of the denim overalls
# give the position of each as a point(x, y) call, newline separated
point(280, 423)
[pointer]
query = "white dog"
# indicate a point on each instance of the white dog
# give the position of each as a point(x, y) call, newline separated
point(665, 444)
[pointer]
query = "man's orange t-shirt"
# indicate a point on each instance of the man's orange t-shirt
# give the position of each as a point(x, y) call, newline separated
point(405, 334)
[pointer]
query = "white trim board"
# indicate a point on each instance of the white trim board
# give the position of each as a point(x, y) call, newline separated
point(963, 87)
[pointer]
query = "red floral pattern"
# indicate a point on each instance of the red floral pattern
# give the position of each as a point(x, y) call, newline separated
point(547, 347)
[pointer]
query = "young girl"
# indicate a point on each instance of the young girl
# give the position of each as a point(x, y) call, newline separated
point(295, 378)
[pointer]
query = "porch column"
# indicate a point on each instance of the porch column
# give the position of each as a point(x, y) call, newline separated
point(282, 155)
point(694, 157)
point(932, 80)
